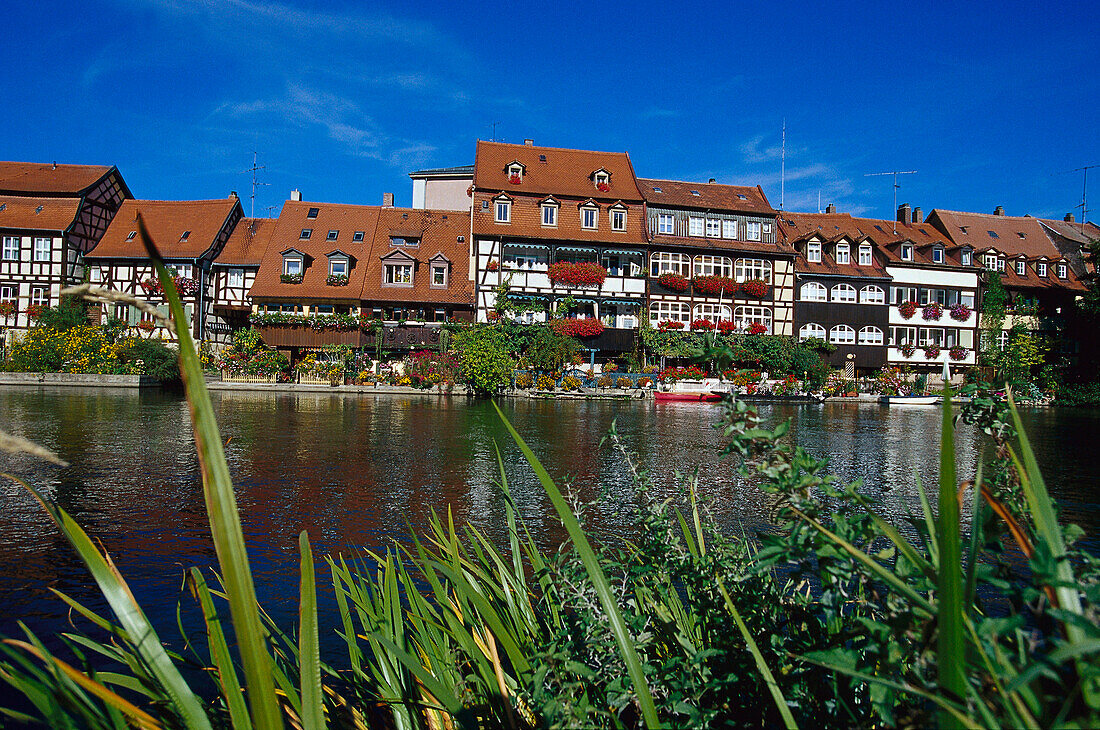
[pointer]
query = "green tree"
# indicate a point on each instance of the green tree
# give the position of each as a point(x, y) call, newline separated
point(548, 351)
point(1023, 352)
point(485, 362)
point(994, 307)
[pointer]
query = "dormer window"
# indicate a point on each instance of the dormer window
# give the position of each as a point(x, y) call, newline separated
point(937, 255)
point(1041, 268)
point(397, 269)
point(813, 252)
point(590, 217)
point(502, 210)
point(338, 264)
point(1061, 271)
point(312, 213)
point(293, 264)
point(906, 252)
point(864, 255)
point(843, 254)
point(333, 235)
point(618, 218)
point(515, 171)
point(602, 180)
point(714, 228)
point(990, 260)
point(1021, 268)
point(306, 234)
point(550, 213)
point(966, 257)
point(441, 271)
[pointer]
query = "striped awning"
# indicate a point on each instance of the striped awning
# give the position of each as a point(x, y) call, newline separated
point(525, 245)
point(576, 248)
point(543, 297)
point(625, 253)
point(633, 303)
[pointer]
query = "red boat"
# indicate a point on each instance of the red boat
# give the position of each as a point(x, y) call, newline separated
point(688, 397)
point(692, 391)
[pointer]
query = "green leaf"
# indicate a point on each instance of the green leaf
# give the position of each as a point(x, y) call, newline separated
point(309, 653)
point(951, 646)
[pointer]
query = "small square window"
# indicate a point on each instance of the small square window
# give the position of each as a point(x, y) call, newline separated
point(338, 267)
point(665, 223)
point(813, 252)
point(713, 228)
point(439, 275)
point(11, 248)
point(1021, 268)
point(906, 252)
point(937, 255)
point(333, 235)
point(236, 277)
point(589, 217)
point(313, 213)
point(618, 220)
point(42, 249)
point(305, 234)
point(292, 266)
point(729, 228)
point(357, 236)
point(695, 226)
point(965, 257)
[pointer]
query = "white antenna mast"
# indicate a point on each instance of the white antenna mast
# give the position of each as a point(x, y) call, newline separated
point(895, 173)
point(783, 166)
point(255, 169)
point(819, 201)
point(1084, 204)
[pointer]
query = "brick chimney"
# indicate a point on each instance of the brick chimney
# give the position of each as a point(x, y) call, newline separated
point(712, 180)
point(999, 210)
point(296, 195)
point(918, 215)
point(387, 200)
point(529, 142)
point(233, 195)
point(904, 213)
point(1069, 218)
point(830, 208)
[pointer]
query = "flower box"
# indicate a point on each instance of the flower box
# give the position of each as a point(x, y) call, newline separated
point(493, 265)
point(932, 352)
point(568, 273)
point(702, 324)
point(957, 353)
point(7, 309)
point(907, 310)
point(670, 324)
point(515, 179)
point(713, 286)
point(932, 311)
point(691, 372)
point(152, 286)
point(34, 311)
point(586, 327)
point(603, 187)
point(908, 350)
point(727, 326)
point(757, 329)
point(674, 282)
point(960, 312)
point(290, 278)
point(337, 280)
point(146, 325)
point(186, 287)
point(755, 288)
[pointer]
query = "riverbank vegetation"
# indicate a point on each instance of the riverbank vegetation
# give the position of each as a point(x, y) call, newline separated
point(836, 618)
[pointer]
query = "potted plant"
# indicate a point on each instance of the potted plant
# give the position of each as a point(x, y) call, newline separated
point(674, 282)
point(34, 311)
point(337, 280)
point(146, 325)
point(291, 278)
point(515, 179)
point(755, 288)
point(932, 352)
point(932, 311)
point(957, 353)
point(727, 326)
point(907, 309)
point(603, 187)
point(186, 286)
point(151, 286)
point(585, 327)
point(493, 265)
point(7, 309)
point(704, 325)
point(908, 350)
point(670, 324)
point(960, 312)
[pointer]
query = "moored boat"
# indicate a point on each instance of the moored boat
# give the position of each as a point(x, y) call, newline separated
point(708, 390)
point(910, 400)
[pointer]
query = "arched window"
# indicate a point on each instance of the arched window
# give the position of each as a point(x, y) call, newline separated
point(669, 311)
point(713, 266)
point(753, 269)
point(844, 293)
point(665, 263)
point(713, 312)
point(811, 330)
point(872, 295)
point(842, 334)
point(811, 291)
point(870, 336)
point(746, 317)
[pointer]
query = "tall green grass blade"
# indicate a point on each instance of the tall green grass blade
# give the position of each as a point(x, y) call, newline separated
point(951, 644)
point(219, 654)
point(891, 532)
point(977, 517)
point(627, 650)
point(929, 520)
point(221, 508)
point(309, 652)
point(130, 616)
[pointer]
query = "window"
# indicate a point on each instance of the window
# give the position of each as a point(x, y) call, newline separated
point(752, 231)
point(753, 269)
point(993, 235)
point(811, 330)
point(929, 336)
point(844, 293)
point(589, 217)
point(515, 170)
point(665, 263)
point(549, 214)
point(767, 227)
point(11, 248)
point(1002, 339)
point(235, 277)
point(503, 211)
point(618, 220)
point(813, 292)
point(713, 312)
point(870, 336)
point(1061, 271)
point(906, 252)
point(745, 317)
point(40, 296)
point(990, 260)
point(439, 275)
point(333, 235)
point(714, 227)
point(813, 252)
point(42, 249)
point(601, 178)
point(695, 226)
point(526, 260)
point(1041, 269)
point(729, 229)
point(842, 334)
point(185, 235)
point(313, 213)
point(130, 235)
point(967, 299)
point(95, 275)
point(357, 236)
point(398, 274)
point(338, 267)
point(7, 294)
point(903, 336)
point(904, 294)
point(674, 311)
point(1001, 265)
point(292, 266)
point(713, 266)
point(872, 295)
point(864, 255)
point(965, 257)
point(1021, 268)
point(937, 255)
point(306, 234)
point(665, 223)
point(843, 254)
point(122, 312)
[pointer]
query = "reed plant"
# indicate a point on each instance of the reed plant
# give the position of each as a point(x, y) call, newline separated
point(834, 618)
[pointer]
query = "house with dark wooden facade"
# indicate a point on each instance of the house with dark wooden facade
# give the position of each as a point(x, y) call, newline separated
point(233, 273)
point(50, 216)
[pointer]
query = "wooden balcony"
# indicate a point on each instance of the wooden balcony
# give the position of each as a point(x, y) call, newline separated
point(283, 335)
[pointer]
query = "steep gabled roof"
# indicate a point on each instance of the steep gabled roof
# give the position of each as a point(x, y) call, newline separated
point(705, 196)
point(167, 221)
point(562, 172)
point(1008, 234)
point(248, 242)
point(46, 179)
point(439, 232)
point(37, 214)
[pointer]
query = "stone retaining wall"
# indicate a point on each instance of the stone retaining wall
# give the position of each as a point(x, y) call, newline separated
point(83, 380)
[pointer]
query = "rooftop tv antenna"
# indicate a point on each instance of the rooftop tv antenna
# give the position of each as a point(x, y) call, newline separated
point(783, 166)
point(495, 131)
point(895, 173)
point(255, 169)
point(1084, 205)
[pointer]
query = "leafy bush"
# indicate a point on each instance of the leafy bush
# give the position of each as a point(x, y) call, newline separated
point(545, 382)
point(623, 382)
point(548, 349)
point(1078, 394)
point(143, 356)
point(524, 380)
point(82, 348)
point(485, 362)
point(570, 382)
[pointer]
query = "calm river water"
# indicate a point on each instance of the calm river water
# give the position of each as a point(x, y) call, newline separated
point(357, 472)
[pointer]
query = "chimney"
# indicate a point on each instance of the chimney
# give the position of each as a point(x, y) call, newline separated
point(1069, 218)
point(529, 143)
point(918, 215)
point(387, 200)
point(712, 180)
point(999, 210)
point(232, 194)
point(55, 164)
point(296, 195)
point(904, 214)
point(830, 208)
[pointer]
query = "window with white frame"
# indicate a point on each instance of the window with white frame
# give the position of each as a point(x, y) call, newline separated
point(669, 311)
point(11, 248)
point(965, 257)
point(864, 255)
point(292, 265)
point(398, 274)
point(1061, 271)
point(903, 336)
point(503, 210)
point(666, 223)
point(7, 294)
point(929, 336)
point(235, 277)
point(1001, 265)
point(439, 275)
point(122, 312)
point(714, 228)
point(1041, 269)
point(844, 293)
point(937, 255)
point(872, 295)
point(713, 266)
point(811, 330)
point(990, 260)
point(1021, 268)
point(618, 219)
point(812, 291)
point(904, 294)
point(967, 299)
point(752, 230)
point(525, 260)
point(515, 170)
point(843, 254)
point(305, 234)
point(590, 217)
point(695, 226)
point(40, 296)
point(813, 252)
point(745, 317)
point(42, 249)
point(753, 269)
point(1002, 339)
point(669, 263)
point(729, 228)
point(870, 336)
point(338, 266)
point(95, 275)
point(712, 312)
point(549, 214)
point(907, 252)
point(842, 334)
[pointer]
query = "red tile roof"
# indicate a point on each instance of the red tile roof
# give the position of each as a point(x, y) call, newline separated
point(438, 232)
point(48, 179)
point(565, 172)
point(1032, 280)
point(1010, 234)
point(45, 214)
point(796, 226)
point(527, 222)
point(828, 265)
point(247, 244)
point(711, 196)
point(166, 221)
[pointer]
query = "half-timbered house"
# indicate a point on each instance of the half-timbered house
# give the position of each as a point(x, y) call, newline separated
point(189, 235)
point(50, 216)
point(233, 272)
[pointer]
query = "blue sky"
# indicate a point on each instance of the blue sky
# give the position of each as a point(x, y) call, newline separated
point(342, 100)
